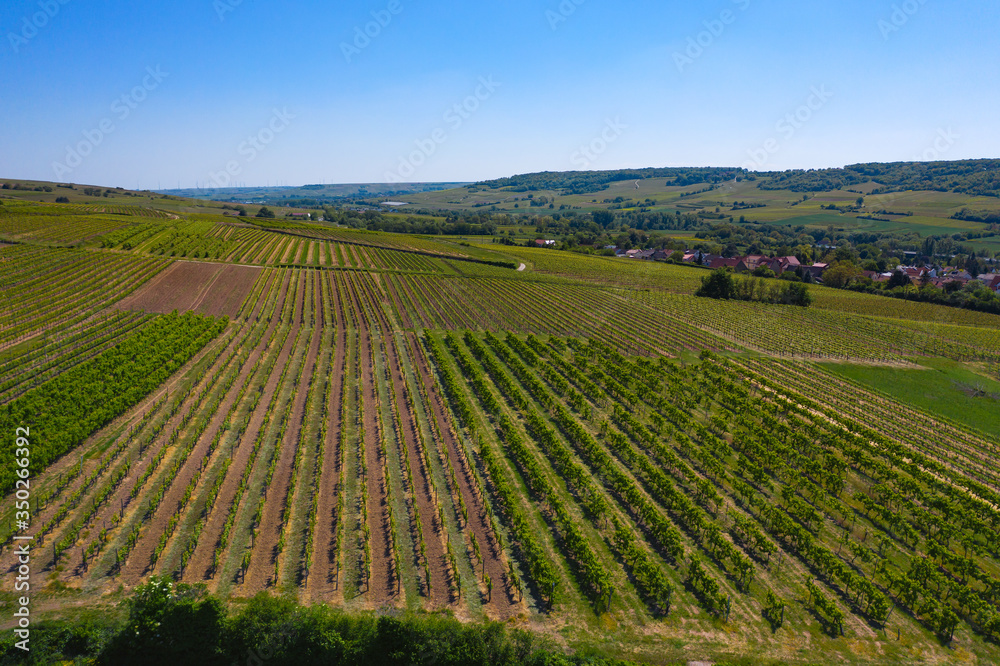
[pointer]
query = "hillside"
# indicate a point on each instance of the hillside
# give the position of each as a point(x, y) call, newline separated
point(581, 449)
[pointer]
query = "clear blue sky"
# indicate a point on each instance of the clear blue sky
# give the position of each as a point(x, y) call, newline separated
point(255, 91)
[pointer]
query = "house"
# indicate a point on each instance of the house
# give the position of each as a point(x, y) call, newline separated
point(995, 285)
point(690, 257)
point(776, 264)
point(782, 264)
point(662, 255)
point(540, 242)
point(646, 255)
point(720, 262)
point(877, 277)
point(816, 269)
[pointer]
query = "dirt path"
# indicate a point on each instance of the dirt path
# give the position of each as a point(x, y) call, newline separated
point(199, 567)
point(383, 584)
point(433, 530)
point(323, 584)
point(265, 550)
point(504, 603)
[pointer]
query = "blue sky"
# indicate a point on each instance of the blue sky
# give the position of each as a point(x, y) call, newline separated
point(215, 92)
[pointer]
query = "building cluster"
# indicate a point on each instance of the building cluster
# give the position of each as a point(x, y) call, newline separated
point(939, 277)
point(936, 276)
point(745, 264)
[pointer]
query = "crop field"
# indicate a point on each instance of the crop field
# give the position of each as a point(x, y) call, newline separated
point(582, 448)
point(51, 224)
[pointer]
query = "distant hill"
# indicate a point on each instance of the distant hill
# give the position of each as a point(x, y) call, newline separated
point(975, 177)
point(585, 182)
point(310, 195)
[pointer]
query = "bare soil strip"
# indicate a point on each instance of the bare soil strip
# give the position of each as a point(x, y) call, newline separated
point(324, 584)
point(231, 288)
point(119, 501)
point(265, 551)
point(382, 586)
point(199, 567)
point(433, 530)
point(199, 459)
point(503, 604)
point(208, 288)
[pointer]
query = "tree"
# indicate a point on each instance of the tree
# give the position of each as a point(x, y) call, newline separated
point(719, 284)
point(841, 274)
point(265, 212)
point(899, 279)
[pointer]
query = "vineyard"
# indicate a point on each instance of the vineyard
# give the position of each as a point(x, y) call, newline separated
point(583, 447)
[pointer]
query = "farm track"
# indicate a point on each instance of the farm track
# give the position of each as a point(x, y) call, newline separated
point(325, 585)
point(382, 588)
point(426, 504)
point(200, 565)
point(433, 530)
point(501, 606)
point(265, 544)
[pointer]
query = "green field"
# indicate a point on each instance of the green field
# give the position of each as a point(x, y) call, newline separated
point(940, 386)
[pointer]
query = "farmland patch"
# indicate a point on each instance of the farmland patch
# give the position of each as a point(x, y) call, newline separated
point(207, 288)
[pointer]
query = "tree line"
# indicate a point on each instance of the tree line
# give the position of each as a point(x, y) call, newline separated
point(721, 284)
point(168, 623)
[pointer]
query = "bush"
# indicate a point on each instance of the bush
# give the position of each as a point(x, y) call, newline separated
point(168, 624)
point(180, 624)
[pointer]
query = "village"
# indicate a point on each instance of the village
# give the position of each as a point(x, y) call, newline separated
point(938, 276)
